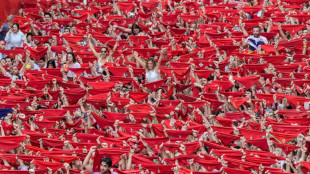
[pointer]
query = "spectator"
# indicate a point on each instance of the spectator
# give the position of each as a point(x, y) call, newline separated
point(14, 37)
point(5, 29)
point(254, 41)
point(151, 67)
point(2, 47)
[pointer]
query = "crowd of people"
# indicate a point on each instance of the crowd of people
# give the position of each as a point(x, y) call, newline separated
point(156, 86)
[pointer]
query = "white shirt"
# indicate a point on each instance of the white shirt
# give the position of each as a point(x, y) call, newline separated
point(14, 40)
point(151, 76)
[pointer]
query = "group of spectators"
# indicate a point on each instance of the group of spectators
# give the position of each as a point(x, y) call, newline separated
point(156, 86)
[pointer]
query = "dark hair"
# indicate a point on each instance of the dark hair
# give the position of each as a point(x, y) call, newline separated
point(47, 42)
point(106, 49)
point(52, 62)
point(73, 56)
point(256, 27)
point(135, 26)
point(68, 28)
point(29, 34)
point(43, 58)
point(107, 160)
point(152, 60)
point(47, 13)
point(8, 58)
point(16, 25)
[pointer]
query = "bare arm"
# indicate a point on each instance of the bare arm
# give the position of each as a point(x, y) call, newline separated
point(141, 62)
point(162, 54)
point(91, 46)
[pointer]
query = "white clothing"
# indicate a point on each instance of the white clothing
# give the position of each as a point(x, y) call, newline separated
point(74, 65)
point(151, 76)
point(14, 77)
point(100, 65)
point(14, 40)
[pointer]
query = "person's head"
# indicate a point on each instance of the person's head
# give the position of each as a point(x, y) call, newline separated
point(41, 62)
point(2, 44)
point(67, 30)
point(5, 28)
point(305, 32)
point(71, 57)
point(105, 165)
point(136, 29)
point(203, 81)
point(8, 61)
point(47, 17)
point(256, 31)
point(104, 51)
point(29, 37)
point(15, 28)
point(51, 64)
point(47, 43)
point(14, 70)
point(150, 63)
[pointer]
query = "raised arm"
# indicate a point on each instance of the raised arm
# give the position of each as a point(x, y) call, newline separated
point(139, 60)
point(162, 54)
point(91, 46)
point(3, 71)
point(23, 69)
point(111, 54)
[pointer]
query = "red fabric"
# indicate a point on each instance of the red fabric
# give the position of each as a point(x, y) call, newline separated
point(251, 134)
point(248, 81)
point(114, 116)
point(78, 71)
point(139, 41)
point(204, 73)
point(212, 145)
point(223, 84)
point(42, 39)
point(12, 53)
point(147, 52)
point(236, 171)
point(292, 29)
point(226, 139)
point(44, 165)
point(210, 165)
point(286, 147)
point(189, 18)
point(260, 143)
point(238, 101)
point(150, 5)
point(63, 158)
point(154, 143)
point(101, 121)
point(154, 85)
point(282, 137)
point(126, 7)
point(118, 71)
point(8, 143)
point(138, 96)
point(37, 53)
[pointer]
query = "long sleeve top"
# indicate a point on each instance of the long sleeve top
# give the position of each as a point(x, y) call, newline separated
point(14, 39)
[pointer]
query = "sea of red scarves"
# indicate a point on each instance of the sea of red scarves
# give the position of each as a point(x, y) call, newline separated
point(172, 133)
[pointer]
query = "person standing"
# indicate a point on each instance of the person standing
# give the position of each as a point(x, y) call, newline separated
point(14, 38)
point(255, 40)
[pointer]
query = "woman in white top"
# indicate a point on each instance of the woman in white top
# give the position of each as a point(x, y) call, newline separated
point(152, 68)
point(14, 38)
point(103, 56)
point(71, 61)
